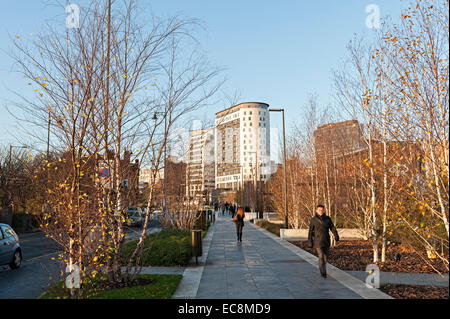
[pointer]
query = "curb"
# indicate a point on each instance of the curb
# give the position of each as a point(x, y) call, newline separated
point(192, 275)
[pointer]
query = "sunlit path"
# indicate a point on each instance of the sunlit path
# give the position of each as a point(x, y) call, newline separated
point(261, 267)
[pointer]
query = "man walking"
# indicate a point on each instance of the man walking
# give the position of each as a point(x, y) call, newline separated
point(319, 237)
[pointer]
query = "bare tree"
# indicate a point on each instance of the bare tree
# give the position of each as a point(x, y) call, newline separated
point(97, 86)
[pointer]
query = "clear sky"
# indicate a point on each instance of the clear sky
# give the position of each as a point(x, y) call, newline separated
point(273, 51)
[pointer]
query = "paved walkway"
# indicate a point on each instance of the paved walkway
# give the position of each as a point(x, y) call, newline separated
point(263, 266)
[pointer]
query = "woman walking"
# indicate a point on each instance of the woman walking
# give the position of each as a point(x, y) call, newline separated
point(239, 220)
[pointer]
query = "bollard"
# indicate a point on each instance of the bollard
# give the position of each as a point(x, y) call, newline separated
point(196, 243)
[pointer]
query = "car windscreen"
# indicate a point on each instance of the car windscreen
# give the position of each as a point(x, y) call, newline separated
point(9, 232)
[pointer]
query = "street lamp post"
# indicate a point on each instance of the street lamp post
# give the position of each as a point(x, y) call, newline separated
point(255, 183)
point(286, 219)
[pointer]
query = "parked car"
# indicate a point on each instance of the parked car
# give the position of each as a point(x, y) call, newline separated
point(10, 250)
point(134, 216)
point(156, 215)
point(134, 209)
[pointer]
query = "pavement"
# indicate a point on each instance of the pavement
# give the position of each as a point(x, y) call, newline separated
point(263, 266)
point(406, 278)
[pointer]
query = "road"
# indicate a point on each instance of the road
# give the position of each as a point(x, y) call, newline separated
point(38, 270)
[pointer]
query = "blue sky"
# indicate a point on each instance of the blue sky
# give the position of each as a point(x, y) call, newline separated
point(273, 51)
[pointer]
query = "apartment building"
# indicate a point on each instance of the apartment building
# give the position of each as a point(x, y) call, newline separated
point(334, 140)
point(242, 145)
point(200, 164)
point(146, 177)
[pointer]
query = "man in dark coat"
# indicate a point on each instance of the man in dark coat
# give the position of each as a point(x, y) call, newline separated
point(319, 237)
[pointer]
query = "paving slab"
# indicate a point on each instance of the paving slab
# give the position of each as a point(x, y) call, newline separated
point(406, 278)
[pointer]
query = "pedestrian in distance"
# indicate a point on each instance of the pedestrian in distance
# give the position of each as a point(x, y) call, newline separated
point(319, 236)
point(232, 211)
point(238, 219)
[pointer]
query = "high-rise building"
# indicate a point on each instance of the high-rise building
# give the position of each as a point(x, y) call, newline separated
point(242, 140)
point(200, 164)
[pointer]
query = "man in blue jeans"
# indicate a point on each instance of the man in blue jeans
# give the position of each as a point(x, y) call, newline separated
point(319, 237)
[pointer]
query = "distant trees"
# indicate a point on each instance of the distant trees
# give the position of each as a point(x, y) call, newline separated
point(15, 180)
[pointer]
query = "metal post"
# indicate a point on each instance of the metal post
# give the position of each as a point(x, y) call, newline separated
point(286, 220)
point(165, 157)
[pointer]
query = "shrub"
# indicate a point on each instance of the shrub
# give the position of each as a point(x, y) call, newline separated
point(273, 228)
point(170, 247)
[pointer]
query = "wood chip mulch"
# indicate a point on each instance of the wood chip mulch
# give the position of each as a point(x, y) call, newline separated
point(415, 292)
point(357, 254)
